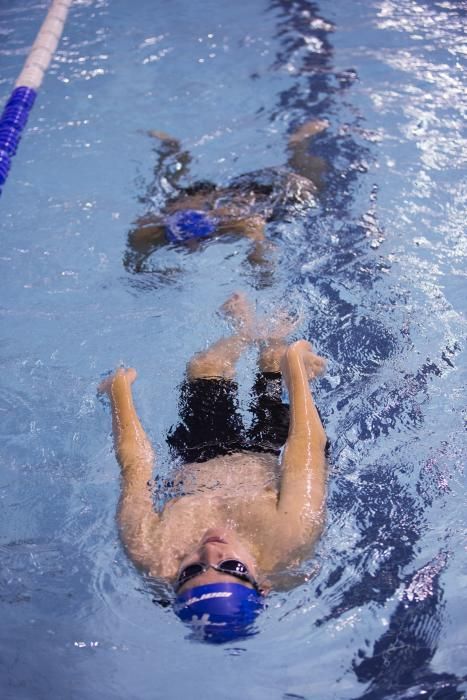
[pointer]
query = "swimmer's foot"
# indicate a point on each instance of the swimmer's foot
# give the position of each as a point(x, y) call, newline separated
point(271, 355)
point(273, 333)
point(239, 310)
point(279, 326)
point(308, 130)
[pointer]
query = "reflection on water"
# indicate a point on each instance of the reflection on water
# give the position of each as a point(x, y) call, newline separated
point(361, 323)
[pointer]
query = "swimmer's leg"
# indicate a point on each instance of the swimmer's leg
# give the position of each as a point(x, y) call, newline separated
point(270, 424)
point(211, 423)
point(300, 160)
point(273, 333)
point(307, 131)
point(220, 359)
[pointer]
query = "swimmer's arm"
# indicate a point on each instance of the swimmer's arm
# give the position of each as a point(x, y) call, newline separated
point(137, 519)
point(149, 230)
point(252, 227)
point(303, 481)
point(148, 234)
point(172, 161)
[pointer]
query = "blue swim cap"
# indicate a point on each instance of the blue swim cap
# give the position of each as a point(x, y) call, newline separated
point(219, 612)
point(187, 224)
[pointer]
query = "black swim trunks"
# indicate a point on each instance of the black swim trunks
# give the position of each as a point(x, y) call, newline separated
point(211, 423)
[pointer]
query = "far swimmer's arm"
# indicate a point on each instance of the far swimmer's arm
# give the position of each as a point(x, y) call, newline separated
point(303, 481)
point(252, 227)
point(136, 515)
point(172, 161)
point(149, 231)
point(148, 235)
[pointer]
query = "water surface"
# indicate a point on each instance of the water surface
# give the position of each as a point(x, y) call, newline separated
point(377, 269)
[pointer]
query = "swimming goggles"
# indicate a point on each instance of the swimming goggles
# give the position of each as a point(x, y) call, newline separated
point(232, 567)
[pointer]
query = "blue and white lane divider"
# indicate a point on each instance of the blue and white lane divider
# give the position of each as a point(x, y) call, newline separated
point(12, 122)
point(16, 112)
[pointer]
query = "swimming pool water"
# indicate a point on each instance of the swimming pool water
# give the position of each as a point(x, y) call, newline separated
point(377, 271)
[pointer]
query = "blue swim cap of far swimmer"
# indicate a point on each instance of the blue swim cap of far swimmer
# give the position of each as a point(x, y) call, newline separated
point(188, 224)
point(219, 612)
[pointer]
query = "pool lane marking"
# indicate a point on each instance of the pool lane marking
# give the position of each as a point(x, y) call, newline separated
point(16, 112)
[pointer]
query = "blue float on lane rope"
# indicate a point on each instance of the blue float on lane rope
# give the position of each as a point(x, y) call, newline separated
point(12, 122)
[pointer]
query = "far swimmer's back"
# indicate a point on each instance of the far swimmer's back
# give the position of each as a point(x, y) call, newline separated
point(241, 207)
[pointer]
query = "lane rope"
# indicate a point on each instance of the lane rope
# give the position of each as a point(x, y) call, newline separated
point(16, 112)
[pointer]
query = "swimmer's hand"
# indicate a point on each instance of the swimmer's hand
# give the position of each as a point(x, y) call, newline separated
point(121, 375)
point(313, 365)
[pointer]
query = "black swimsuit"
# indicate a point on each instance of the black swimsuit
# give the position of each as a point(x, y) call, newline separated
point(211, 423)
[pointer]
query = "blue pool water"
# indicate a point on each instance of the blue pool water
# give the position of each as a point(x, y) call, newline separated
point(377, 270)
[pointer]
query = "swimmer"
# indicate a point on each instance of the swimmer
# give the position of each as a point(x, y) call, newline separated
point(240, 512)
point(243, 207)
